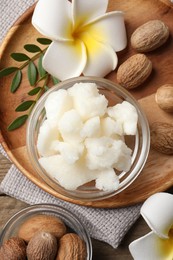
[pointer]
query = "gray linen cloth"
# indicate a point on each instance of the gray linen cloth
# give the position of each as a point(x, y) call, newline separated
point(108, 225)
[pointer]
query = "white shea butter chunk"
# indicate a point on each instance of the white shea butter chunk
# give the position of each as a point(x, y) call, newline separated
point(125, 114)
point(124, 158)
point(47, 135)
point(105, 152)
point(86, 90)
point(87, 100)
point(69, 176)
point(110, 127)
point(70, 125)
point(57, 103)
point(107, 180)
point(91, 127)
point(71, 152)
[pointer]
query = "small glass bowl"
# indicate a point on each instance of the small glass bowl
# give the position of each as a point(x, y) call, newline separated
point(72, 223)
point(140, 143)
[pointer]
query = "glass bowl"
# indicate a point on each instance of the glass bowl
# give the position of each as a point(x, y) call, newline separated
point(140, 143)
point(72, 223)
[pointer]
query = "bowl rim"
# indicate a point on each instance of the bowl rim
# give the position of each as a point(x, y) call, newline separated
point(120, 91)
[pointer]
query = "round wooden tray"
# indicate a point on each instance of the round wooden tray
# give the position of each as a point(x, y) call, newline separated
point(158, 171)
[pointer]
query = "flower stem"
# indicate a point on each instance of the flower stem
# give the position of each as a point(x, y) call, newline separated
point(32, 59)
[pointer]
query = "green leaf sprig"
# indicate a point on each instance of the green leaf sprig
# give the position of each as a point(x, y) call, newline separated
point(38, 78)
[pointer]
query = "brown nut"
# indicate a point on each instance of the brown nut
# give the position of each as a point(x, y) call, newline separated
point(47, 223)
point(149, 36)
point(162, 137)
point(13, 249)
point(164, 97)
point(42, 246)
point(71, 247)
point(134, 71)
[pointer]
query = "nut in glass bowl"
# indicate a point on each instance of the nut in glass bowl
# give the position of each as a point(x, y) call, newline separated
point(38, 218)
point(137, 143)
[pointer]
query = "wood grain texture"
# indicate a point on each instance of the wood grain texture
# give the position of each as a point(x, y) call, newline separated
point(158, 172)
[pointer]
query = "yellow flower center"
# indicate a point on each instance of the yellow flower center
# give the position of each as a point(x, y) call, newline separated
point(88, 35)
point(171, 239)
point(167, 245)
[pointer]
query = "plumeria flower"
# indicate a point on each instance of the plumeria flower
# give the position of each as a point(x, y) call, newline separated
point(157, 211)
point(85, 38)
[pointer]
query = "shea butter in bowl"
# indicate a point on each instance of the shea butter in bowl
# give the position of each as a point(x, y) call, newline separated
point(88, 138)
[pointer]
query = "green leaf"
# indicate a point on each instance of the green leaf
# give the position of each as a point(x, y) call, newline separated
point(46, 88)
point(40, 79)
point(32, 73)
point(41, 70)
point(34, 91)
point(55, 80)
point(19, 56)
point(44, 41)
point(7, 71)
point(19, 121)
point(25, 105)
point(16, 81)
point(32, 48)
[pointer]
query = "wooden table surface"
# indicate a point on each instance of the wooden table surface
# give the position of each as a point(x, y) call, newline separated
point(101, 251)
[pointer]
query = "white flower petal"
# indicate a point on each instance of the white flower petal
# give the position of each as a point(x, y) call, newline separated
point(101, 59)
point(84, 11)
point(109, 29)
point(53, 19)
point(65, 59)
point(158, 213)
point(151, 247)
